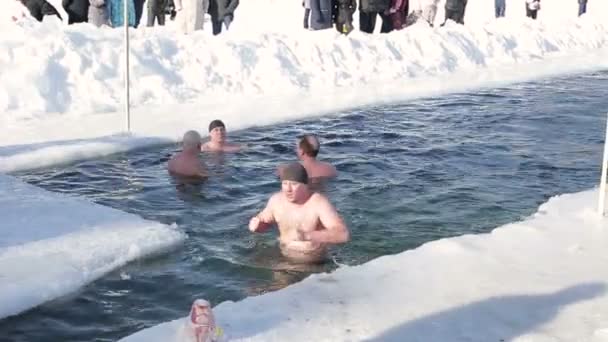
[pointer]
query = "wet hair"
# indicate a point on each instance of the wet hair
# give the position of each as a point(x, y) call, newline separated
point(295, 172)
point(216, 123)
point(309, 144)
point(191, 139)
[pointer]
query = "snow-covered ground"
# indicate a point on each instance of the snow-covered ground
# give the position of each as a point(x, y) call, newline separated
point(52, 244)
point(61, 93)
point(60, 83)
point(539, 280)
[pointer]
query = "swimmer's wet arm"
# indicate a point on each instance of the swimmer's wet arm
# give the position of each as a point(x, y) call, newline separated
point(335, 231)
point(263, 220)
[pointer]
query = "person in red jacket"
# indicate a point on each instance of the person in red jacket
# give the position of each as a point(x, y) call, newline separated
point(398, 12)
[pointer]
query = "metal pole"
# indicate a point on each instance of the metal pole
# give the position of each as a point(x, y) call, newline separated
point(126, 40)
point(602, 200)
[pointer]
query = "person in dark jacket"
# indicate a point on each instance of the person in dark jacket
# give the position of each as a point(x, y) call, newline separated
point(40, 8)
point(139, 10)
point(156, 11)
point(77, 10)
point(306, 5)
point(369, 10)
point(454, 10)
point(222, 12)
point(582, 7)
point(344, 10)
point(500, 7)
point(532, 7)
point(321, 14)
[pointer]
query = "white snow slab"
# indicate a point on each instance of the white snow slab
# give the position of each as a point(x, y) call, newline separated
point(52, 244)
point(542, 279)
point(61, 87)
point(65, 83)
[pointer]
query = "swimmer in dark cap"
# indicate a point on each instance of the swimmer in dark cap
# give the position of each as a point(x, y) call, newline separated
point(218, 140)
point(307, 150)
point(307, 221)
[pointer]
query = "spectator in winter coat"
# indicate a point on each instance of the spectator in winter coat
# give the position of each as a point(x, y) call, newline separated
point(98, 14)
point(222, 12)
point(454, 10)
point(398, 12)
point(344, 10)
point(499, 8)
point(321, 14)
point(191, 14)
point(116, 15)
point(156, 10)
point(532, 7)
point(306, 4)
point(582, 7)
point(78, 10)
point(429, 11)
point(139, 10)
point(368, 10)
point(40, 8)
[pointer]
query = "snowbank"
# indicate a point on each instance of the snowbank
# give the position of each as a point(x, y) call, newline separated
point(64, 83)
point(61, 93)
point(52, 244)
point(542, 279)
point(78, 69)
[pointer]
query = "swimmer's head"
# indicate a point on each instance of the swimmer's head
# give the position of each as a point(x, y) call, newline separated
point(217, 131)
point(294, 182)
point(308, 145)
point(191, 140)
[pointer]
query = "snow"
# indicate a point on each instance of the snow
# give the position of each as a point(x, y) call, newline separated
point(542, 279)
point(65, 83)
point(52, 244)
point(61, 99)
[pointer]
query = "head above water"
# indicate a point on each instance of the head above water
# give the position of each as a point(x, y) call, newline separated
point(216, 123)
point(217, 132)
point(294, 172)
point(294, 183)
point(309, 146)
point(191, 140)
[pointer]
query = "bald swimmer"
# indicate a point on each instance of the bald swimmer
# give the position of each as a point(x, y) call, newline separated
point(187, 163)
point(218, 141)
point(308, 223)
point(307, 150)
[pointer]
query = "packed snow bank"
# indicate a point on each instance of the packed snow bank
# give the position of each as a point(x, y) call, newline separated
point(41, 155)
point(52, 244)
point(79, 70)
point(542, 279)
point(62, 139)
point(66, 84)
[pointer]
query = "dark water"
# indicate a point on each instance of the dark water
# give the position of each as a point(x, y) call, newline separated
point(409, 173)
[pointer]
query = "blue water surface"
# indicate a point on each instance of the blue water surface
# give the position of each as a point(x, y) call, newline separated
point(410, 173)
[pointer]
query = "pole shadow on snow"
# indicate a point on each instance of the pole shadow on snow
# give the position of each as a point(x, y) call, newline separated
point(508, 317)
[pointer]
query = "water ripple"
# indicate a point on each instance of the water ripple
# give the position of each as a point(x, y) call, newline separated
point(409, 173)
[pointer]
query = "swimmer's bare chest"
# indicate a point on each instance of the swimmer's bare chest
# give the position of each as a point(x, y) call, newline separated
point(292, 221)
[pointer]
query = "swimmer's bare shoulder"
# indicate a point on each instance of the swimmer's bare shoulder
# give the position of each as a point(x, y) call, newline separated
point(319, 200)
point(275, 201)
point(268, 214)
point(206, 147)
